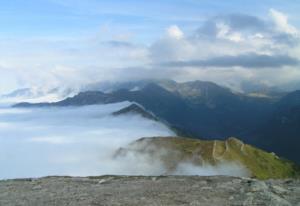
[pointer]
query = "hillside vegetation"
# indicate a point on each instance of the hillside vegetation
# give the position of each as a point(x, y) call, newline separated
point(261, 164)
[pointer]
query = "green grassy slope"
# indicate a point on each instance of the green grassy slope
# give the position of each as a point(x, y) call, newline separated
point(173, 150)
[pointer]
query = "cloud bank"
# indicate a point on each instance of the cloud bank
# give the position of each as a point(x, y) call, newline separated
point(69, 141)
point(80, 141)
point(227, 49)
point(252, 60)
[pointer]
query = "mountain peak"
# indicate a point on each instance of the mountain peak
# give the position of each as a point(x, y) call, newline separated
point(153, 87)
point(135, 109)
point(203, 92)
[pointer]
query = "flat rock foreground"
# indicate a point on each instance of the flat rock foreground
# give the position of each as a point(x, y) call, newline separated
point(162, 190)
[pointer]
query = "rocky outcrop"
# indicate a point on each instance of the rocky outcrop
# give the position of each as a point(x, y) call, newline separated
point(162, 190)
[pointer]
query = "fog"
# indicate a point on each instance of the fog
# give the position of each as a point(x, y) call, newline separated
point(68, 141)
point(78, 141)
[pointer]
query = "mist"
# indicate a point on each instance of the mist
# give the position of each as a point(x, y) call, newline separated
point(79, 141)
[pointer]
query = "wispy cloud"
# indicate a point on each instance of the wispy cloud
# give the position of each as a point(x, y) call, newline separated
point(165, 49)
point(249, 60)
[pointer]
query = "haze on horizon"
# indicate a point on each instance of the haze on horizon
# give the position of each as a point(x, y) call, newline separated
point(63, 43)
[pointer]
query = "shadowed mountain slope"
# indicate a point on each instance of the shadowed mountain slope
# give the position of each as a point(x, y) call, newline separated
point(204, 109)
point(135, 109)
point(281, 132)
point(213, 111)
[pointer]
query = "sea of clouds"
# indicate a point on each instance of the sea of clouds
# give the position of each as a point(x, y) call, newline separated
point(80, 141)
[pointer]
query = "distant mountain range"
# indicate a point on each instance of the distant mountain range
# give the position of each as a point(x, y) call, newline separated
point(208, 111)
point(37, 95)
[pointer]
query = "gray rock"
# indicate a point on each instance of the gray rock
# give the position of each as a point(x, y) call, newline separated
point(161, 190)
point(279, 190)
point(257, 186)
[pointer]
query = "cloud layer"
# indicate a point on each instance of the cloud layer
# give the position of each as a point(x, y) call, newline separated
point(71, 141)
point(227, 49)
point(83, 141)
point(249, 60)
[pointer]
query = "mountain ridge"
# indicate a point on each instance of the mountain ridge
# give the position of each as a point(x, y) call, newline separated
point(177, 150)
point(212, 113)
point(135, 109)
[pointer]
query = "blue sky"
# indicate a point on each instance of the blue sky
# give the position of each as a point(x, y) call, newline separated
point(39, 18)
point(68, 43)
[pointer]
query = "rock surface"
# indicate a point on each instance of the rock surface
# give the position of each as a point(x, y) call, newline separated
point(164, 190)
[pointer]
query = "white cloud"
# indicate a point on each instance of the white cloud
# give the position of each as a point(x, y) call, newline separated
point(234, 36)
point(281, 22)
point(47, 63)
point(225, 33)
point(175, 32)
point(77, 141)
point(83, 141)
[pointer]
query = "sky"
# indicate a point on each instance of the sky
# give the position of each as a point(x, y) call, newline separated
point(71, 43)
